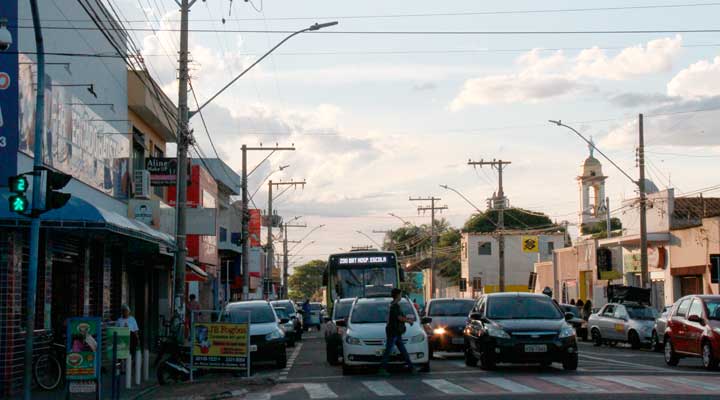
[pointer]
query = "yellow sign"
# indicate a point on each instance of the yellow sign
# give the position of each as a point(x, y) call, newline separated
point(220, 345)
point(530, 244)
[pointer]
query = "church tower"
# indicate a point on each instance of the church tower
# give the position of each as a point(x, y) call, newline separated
point(592, 190)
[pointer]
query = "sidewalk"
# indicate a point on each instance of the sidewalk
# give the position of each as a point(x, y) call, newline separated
point(209, 387)
point(135, 392)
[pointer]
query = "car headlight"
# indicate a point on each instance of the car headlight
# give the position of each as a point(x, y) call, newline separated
point(566, 331)
point(497, 333)
point(352, 340)
point(417, 338)
point(274, 335)
point(439, 331)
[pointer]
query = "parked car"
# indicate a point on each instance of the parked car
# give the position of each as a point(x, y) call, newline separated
point(657, 342)
point(623, 322)
point(294, 317)
point(449, 317)
point(288, 326)
point(693, 330)
point(364, 336)
point(577, 321)
point(519, 328)
point(333, 333)
point(267, 337)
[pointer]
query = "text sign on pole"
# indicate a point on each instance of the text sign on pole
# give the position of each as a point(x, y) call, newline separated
point(83, 359)
point(220, 345)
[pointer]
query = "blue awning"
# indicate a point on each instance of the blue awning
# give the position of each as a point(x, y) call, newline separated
point(79, 214)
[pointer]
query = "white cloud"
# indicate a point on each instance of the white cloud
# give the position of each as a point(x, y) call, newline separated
point(701, 79)
point(540, 78)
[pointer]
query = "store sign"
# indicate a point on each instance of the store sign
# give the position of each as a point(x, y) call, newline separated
point(254, 227)
point(123, 342)
point(656, 259)
point(83, 359)
point(530, 244)
point(221, 345)
point(163, 171)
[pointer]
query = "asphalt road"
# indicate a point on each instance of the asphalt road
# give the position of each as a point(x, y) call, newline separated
point(604, 373)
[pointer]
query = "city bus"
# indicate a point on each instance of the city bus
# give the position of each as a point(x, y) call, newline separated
point(365, 273)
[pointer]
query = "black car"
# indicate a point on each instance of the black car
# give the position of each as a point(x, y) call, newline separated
point(267, 337)
point(577, 321)
point(449, 317)
point(295, 317)
point(519, 328)
point(333, 333)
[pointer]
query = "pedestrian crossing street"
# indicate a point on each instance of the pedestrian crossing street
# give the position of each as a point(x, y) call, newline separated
point(492, 385)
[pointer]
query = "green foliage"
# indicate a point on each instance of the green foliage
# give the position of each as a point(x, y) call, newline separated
point(600, 227)
point(306, 280)
point(410, 285)
point(515, 218)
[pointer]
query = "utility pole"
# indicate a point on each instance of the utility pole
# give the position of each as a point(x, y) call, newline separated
point(644, 278)
point(498, 203)
point(286, 260)
point(433, 239)
point(246, 213)
point(269, 256)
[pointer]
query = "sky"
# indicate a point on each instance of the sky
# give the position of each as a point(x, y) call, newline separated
point(377, 118)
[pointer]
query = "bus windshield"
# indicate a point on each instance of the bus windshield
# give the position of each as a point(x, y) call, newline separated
point(364, 282)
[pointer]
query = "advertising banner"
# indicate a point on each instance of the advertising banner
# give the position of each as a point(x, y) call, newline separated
point(123, 342)
point(163, 171)
point(83, 348)
point(221, 345)
point(254, 227)
point(9, 95)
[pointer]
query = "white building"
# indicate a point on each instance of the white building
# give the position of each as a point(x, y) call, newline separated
point(480, 259)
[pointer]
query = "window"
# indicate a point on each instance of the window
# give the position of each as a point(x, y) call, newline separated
point(696, 308)
point(208, 200)
point(477, 284)
point(450, 308)
point(715, 268)
point(683, 308)
point(223, 234)
point(484, 248)
point(620, 313)
point(522, 307)
point(550, 248)
point(609, 311)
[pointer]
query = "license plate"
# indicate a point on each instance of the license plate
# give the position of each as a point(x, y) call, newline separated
point(253, 347)
point(535, 348)
point(382, 351)
point(458, 340)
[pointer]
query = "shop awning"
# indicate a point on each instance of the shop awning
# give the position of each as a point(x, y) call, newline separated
point(634, 240)
point(79, 214)
point(194, 272)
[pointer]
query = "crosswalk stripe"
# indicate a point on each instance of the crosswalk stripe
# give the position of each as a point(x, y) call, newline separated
point(446, 387)
point(382, 388)
point(573, 384)
point(692, 382)
point(628, 382)
point(319, 391)
point(510, 386)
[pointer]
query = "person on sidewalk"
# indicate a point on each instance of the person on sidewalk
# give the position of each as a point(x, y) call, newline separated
point(393, 334)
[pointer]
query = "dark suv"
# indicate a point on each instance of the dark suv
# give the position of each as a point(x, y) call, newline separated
point(693, 330)
point(519, 328)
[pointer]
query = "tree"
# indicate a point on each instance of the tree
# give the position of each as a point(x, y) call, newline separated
point(306, 280)
point(515, 218)
point(599, 229)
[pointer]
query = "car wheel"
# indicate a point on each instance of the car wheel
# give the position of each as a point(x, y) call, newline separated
point(487, 361)
point(708, 357)
point(281, 360)
point(634, 340)
point(425, 367)
point(671, 358)
point(597, 339)
point(571, 362)
point(331, 354)
point(470, 359)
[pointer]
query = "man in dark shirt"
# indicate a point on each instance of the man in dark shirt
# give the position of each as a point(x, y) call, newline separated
point(393, 333)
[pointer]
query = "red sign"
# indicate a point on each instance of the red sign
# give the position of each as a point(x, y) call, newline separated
point(254, 227)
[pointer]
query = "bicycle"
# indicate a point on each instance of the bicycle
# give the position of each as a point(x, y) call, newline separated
point(49, 368)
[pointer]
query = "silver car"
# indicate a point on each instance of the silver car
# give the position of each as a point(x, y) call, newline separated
point(658, 341)
point(623, 322)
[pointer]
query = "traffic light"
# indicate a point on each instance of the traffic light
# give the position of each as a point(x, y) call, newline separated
point(56, 181)
point(18, 203)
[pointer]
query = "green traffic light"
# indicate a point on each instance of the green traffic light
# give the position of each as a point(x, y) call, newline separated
point(18, 204)
point(18, 184)
point(21, 184)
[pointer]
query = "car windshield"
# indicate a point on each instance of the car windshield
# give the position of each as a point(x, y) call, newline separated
point(571, 309)
point(259, 313)
point(288, 306)
point(713, 308)
point(372, 312)
point(281, 313)
point(342, 309)
point(642, 313)
point(450, 308)
point(522, 307)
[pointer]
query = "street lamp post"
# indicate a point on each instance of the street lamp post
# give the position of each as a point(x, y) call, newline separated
point(371, 239)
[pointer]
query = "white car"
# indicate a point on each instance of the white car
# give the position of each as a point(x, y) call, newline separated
point(363, 341)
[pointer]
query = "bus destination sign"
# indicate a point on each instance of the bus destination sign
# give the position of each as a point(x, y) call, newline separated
point(362, 260)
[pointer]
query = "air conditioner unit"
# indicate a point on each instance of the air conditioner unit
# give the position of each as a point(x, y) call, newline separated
point(141, 184)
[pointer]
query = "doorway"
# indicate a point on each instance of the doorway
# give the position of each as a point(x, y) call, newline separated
point(690, 285)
